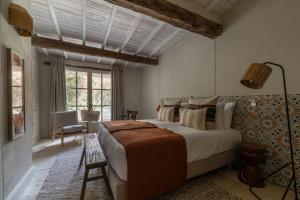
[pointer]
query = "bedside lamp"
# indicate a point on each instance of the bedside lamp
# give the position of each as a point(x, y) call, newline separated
point(255, 77)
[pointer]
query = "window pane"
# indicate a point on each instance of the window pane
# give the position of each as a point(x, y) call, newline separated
point(79, 113)
point(82, 80)
point(98, 108)
point(82, 99)
point(106, 81)
point(71, 108)
point(106, 97)
point(96, 81)
point(17, 96)
point(82, 108)
point(71, 97)
point(70, 79)
point(16, 76)
point(17, 111)
point(106, 113)
point(97, 97)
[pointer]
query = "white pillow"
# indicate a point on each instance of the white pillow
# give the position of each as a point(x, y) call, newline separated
point(166, 114)
point(228, 112)
point(220, 115)
point(171, 101)
point(203, 101)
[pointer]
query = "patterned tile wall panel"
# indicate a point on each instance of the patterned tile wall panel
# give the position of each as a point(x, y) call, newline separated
point(269, 127)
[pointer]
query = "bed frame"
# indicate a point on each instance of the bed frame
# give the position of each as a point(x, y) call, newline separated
point(119, 187)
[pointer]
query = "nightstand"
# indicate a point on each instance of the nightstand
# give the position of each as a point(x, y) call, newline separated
point(251, 156)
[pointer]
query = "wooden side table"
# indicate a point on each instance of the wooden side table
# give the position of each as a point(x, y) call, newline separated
point(251, 155)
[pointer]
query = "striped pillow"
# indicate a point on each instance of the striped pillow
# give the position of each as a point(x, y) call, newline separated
point(210, 104)
point(173, 102)
point(193, 118)
point(166, 114)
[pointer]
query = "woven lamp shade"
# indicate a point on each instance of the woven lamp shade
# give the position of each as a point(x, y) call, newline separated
point(256, 76)
point(20, 19)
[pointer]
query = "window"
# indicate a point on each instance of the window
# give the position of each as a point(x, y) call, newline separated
point(89, 88)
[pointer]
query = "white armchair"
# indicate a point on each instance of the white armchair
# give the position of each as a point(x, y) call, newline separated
point(90, 116)
point(66, 123)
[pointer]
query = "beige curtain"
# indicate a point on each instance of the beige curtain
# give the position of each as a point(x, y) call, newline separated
point(117, 92)
point(58, 89)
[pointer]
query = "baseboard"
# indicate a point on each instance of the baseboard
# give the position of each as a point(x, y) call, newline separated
point(20, 184)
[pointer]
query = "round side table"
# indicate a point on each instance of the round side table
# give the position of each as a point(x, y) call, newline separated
point(251, 155)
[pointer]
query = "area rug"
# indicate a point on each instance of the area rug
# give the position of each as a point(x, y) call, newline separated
point(64, 181)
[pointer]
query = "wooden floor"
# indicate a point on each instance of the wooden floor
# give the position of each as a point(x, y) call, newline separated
point(44, 156)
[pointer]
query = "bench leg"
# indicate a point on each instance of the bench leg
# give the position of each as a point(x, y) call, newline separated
point(86, 175)
point(82, 156)
point(106, 180)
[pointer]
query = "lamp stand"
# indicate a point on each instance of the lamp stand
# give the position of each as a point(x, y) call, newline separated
point(293, 178)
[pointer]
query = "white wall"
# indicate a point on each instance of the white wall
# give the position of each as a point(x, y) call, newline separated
point(132, 86)
point(44, 73)
point(17, 154)
point(150, 91)
point(258, 31)
point(188, 69)
point(254, 31)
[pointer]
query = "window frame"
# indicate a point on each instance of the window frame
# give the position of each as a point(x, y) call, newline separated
point(90, 88)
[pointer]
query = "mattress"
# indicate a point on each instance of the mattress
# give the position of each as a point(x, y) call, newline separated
point(200, 144)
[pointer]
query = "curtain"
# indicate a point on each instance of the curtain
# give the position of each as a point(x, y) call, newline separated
point(58, 88)
point(117, 92)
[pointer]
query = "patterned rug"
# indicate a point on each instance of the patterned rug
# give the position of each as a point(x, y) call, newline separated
point(64, 181)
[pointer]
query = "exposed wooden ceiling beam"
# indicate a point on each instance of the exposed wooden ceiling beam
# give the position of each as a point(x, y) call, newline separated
point(165, 41)
point(132, 30)
point(99, 60)
point(86, 50)
point(54, 18)
point(151, 36)
point(212, 5)
point(173, 14)
point(83, 21)
point(111, 20)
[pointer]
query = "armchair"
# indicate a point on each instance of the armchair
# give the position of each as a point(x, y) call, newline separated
point(66, 123)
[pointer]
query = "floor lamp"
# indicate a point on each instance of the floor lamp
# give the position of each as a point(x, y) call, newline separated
point(255, 77)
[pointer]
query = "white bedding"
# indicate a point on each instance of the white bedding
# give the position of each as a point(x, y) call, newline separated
point(200, 144)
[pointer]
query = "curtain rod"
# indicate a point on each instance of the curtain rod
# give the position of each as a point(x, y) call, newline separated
point(91, 68)
point(78, 66)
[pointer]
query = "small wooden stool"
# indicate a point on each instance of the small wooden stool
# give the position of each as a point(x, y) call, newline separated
point(252, 155)
point(94, 158)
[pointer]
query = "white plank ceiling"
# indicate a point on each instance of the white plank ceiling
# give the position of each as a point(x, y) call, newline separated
point(103, 25)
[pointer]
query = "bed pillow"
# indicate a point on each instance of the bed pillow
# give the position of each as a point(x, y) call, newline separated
point(210, 104)
point(228, 112)
point(166, 114)
point(193, 118)
point(220, 115)
point(173, 102)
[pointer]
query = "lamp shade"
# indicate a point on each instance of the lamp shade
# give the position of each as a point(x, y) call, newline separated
point(256, 75)
point(21, 19)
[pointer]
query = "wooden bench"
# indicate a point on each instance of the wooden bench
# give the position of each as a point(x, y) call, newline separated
point(94, 158)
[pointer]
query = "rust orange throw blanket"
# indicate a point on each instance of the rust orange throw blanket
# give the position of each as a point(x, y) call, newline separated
point(156, 158)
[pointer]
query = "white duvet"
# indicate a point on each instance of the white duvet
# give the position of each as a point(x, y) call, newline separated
point(200, 144)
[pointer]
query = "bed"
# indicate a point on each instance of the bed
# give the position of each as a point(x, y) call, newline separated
point(206, 150)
